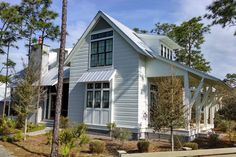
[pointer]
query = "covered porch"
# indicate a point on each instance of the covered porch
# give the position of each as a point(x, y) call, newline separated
point(201, 94)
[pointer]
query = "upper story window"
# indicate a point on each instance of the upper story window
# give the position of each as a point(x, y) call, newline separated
point(101, 49)
point(166, 52)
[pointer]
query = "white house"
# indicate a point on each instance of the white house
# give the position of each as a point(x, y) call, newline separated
point(111, 72)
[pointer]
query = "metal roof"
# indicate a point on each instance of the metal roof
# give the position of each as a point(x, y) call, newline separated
point(97, 76)
point(51, 77)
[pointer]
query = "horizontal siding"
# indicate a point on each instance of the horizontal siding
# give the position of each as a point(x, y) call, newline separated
point(126, 84)
point(79, 64)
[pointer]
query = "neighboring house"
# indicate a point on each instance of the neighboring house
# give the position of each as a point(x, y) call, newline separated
point(2, 96)
point(111, 73)
point(47, 64)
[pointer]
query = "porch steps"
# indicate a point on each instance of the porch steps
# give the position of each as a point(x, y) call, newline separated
point(48, 122)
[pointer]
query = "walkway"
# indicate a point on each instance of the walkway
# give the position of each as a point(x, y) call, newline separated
point(5, 153)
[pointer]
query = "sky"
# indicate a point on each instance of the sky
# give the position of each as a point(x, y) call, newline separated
point(219, 47)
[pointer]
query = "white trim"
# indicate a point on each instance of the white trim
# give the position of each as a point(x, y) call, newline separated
point(101, 109)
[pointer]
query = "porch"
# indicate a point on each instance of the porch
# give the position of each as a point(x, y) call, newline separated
point(201, 94)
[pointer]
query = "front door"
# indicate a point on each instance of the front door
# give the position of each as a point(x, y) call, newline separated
point(52, 106)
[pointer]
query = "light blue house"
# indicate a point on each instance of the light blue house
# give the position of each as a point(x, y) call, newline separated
point(111, 72)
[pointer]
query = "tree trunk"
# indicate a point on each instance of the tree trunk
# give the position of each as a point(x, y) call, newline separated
point(6, 81)
point(172, 139)
point(55, 141)
point(25, 128)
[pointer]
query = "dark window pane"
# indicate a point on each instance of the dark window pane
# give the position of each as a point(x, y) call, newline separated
point(89, 99)
point(97, 103)
point(106, 85)
point(101, 35)
point(109, 45)
point(90, 86)
point(109, 58)
point(171, 55)
point(97, 85)
point(93, 47)
point(93, 60)
point(161, 50)
point(101, 46)
point(105, 99)
point(101, 59)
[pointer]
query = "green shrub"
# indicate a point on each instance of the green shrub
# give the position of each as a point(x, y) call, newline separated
point(10, 139)
point(213, 140)
point(192, 145)
point(97, 146)
point(83, 139)
point(64, 122)
point(222, 125)
point(31, 127)
point(143, 146)
point(80, 130)
point(4, 138)
point(18, 136)
point(121, 133)
point(7, 126)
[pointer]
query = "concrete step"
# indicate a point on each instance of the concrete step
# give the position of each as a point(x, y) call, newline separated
point(48, 122)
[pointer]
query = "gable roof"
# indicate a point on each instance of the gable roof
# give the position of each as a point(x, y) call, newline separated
point(143, 43)
point(128, 34)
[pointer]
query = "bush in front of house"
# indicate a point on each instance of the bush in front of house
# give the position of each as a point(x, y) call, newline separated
point(192, 145)
point(143, 146)
point(213, 140)
point(18, 136)
point(97, 146)
point(121, 134)
point(64, 122)
point(4, 138)
point(7, 126)
point(31, 127)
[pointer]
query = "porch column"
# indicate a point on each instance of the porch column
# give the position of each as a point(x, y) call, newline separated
point(212, 116)
point(187, 100)
point(198, 115)
point(206, 115)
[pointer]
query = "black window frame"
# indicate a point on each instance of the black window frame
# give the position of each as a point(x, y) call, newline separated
point(96, 63)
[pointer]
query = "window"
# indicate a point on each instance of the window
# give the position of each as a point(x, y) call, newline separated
point(162, 50)
point(98, 95)
point(101, 50)
point(168, 53)
point(171, 55)
point(89, 99)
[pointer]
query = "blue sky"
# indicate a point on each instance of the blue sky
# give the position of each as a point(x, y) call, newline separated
point(219, 48)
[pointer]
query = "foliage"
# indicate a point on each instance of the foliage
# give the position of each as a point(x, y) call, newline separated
point(110, 127)
point(7, 126)
point(18, 136)
point(97, 146)
point(4, 138)
point(167, 110)
point(190, 36)
point(213, 140)
point(121, 134)
point(67, 141)
point(31, 127)
point(142, 31)
point(230, 79)
point(64, 122)
point(143, 146)
point(24, 96)
point(222, 12)
point(192, 145)
point(49, 137)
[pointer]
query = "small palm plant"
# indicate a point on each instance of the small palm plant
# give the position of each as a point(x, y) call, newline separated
point(110, 127)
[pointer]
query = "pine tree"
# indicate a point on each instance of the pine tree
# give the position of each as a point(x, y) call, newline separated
point(167, 110)
point(55, 141)
point(190, 36)
point(222, 12)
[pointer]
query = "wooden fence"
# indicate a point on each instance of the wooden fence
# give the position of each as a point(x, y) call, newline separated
point(203, 152)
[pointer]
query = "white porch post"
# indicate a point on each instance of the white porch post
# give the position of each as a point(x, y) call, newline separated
point(212, 115)
point(206, 115)
point(198, 115)
point(187, 100)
